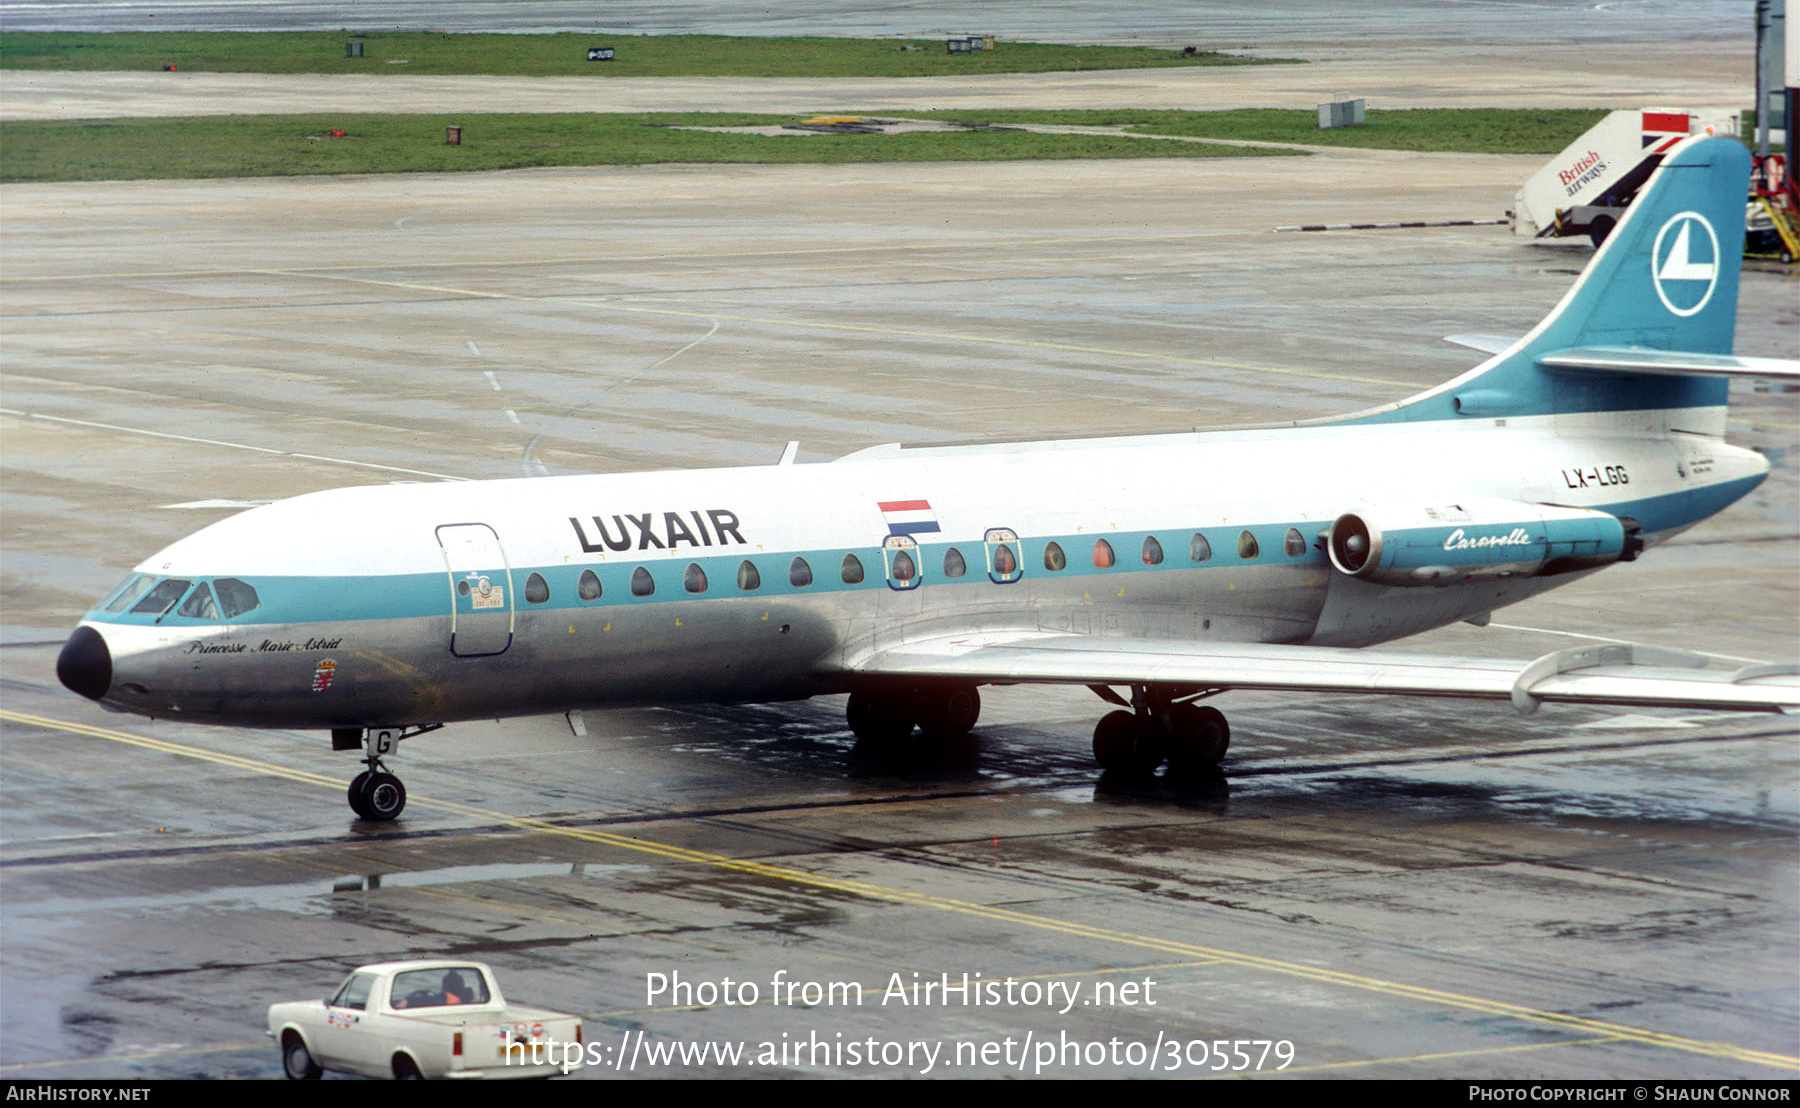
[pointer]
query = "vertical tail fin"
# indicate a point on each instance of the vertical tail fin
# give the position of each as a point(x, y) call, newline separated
point(1665, 280)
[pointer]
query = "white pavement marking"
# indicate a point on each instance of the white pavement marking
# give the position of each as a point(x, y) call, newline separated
point(227, 445)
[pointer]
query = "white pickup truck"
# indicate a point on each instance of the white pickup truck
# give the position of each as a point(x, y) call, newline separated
point(422, 1020)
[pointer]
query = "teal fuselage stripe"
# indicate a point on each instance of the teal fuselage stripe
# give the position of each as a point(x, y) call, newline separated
point(310, 599)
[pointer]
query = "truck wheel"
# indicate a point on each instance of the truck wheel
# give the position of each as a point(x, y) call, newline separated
point(1599, 229)
point(406, 1070)
point(297, 1061)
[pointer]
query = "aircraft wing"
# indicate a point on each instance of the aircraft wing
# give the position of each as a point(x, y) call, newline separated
point(1616, 674)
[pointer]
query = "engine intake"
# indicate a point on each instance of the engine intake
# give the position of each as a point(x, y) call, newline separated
point(1477, 540)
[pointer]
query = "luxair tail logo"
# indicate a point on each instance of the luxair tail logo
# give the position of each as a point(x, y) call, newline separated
point(1684, 264)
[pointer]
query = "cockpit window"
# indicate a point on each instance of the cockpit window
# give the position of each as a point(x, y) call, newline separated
point(128, 593)
point(235, 597)
point(163, 597)
point(200, 604)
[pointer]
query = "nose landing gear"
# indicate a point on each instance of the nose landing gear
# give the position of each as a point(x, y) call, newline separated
point(375, 794)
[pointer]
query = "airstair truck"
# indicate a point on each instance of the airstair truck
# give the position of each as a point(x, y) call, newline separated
point(1584, 189)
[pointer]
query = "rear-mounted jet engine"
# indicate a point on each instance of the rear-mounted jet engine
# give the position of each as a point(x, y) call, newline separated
point(1477, 540)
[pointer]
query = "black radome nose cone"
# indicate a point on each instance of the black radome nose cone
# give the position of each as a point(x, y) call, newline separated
point(85, 665)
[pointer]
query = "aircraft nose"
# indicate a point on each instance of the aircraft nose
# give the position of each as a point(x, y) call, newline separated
point(85, 665)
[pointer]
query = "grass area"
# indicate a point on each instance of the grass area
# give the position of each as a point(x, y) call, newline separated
point(566, 55)
point(281, 145)
point(1452, 130)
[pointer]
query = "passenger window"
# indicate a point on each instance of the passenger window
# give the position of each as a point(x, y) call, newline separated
point(1054, 559)
point(954, 566)
point(642, 584)
point(588, 588)
point(128, 593)
point(1003, 555)
point(1246, 545)
point(748, 579)
point(200, 605)
point(851, 570)
point(537, 590)
point(1199, 550)
point(1103, 554)
point(799, 574)
point(1296, 543)
point(1152, 551)
point(901, 555)
point(694, 580)
point(163, 597)
point(235, 597)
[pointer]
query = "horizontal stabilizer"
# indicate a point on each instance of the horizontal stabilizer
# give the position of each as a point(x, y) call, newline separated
point(1671, 363)
point(1614, 674)
point(1487, 344)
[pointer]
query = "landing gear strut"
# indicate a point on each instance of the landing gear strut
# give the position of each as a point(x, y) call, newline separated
point(1164, 724)
point(376, 794)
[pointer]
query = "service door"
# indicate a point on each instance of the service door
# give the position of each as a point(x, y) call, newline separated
point(481, 595)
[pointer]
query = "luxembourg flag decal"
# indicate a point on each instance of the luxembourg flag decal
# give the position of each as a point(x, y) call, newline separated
point(908, 517)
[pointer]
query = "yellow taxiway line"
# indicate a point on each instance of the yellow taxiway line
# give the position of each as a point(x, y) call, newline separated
point(1580, 1025)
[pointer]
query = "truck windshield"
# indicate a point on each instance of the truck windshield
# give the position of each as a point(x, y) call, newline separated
point(436, 988)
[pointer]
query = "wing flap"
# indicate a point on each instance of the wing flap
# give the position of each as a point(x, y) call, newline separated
point(1616, 675)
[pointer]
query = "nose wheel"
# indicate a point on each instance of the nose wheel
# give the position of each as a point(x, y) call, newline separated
point(375, 794)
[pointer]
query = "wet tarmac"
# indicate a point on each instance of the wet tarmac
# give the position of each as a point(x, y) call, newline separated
point(1391, 888)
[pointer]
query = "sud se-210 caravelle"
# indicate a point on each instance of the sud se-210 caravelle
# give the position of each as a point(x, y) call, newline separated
point(1170, 566)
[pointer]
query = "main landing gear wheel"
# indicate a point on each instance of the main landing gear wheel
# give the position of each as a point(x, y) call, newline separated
point(1192, 738)
point(948, 713)
point(1198, 739)
point(883, 720)
point(890, 716)
point(878, 720)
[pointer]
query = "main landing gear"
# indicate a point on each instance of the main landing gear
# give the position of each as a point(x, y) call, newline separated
point(887, 717)
point(376, 794)
point(1162, 724)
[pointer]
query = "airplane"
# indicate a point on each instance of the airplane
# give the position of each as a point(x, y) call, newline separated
point(1158, 570)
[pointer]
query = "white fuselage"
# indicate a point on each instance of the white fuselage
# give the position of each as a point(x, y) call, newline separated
point(387, 605)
